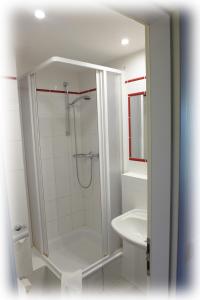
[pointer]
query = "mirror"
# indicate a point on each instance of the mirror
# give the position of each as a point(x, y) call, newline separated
point(137, 125)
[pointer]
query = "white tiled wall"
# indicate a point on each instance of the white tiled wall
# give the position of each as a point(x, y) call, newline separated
point(65, 209)
point(67, 205)
point(134, 189)
point(134, 192)
point(134, 265)
point(13, 154)
point(134, 66)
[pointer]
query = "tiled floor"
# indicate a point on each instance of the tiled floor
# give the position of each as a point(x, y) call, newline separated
point(102, 283)
point(119, 286)
point(76, 252)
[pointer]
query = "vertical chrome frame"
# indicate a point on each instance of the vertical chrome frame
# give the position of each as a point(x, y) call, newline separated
point(38, 167)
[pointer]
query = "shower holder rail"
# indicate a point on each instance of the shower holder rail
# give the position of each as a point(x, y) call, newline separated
point(86, 155)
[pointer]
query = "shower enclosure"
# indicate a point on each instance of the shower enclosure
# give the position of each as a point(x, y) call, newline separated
point(71, 117)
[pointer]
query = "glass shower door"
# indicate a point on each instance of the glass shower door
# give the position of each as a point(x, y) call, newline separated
point(77, 220)
point(72, 206)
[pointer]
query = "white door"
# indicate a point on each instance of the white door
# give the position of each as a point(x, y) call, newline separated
point(159, 158)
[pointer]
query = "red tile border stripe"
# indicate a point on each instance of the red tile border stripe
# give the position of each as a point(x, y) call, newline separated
point(9, 77)
point(137, 159)
point(135, 79)
point(88, 91)
point(56, 91)
point(63, 92)
point(137, 94)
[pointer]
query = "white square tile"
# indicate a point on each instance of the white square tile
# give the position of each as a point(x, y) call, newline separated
point(91, 219)
point(12, 131)
point(89, 118)
point(52, 229)
point(93, 211)
point(14, 156)
point(60, 146)
point(45, 125)
point(64, 206)
point(51, 210)
point(77, 202)
point(49, 189)
point(48, 179)
point(17, 197)
point(48, 168)
point(94, 142)
point(78, 219)
point(94, 283)
point(58, 104)
point(59, 126)
point(10, 90)
point(44, 105)
point(96, 172)
point(62, 177)
point(133, 264)
point(46, 147)
point(64, 225)
point(112, 271)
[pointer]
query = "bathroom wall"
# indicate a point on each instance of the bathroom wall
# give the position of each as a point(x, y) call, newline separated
point(65, 210)
point(134, 180)
point(134, 66)
point(68, 206)
point(12, 147)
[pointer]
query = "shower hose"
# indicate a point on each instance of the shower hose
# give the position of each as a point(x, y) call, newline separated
point(85, 186)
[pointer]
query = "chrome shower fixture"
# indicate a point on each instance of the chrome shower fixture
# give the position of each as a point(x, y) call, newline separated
point(67, 123)
point(67, 116)
point(66, 84)
point(86, 155)
point(79, 99)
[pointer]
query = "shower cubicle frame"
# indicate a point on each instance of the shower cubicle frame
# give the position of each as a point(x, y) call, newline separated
point(102, 110)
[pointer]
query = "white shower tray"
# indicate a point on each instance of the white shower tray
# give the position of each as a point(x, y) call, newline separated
point(132, 226)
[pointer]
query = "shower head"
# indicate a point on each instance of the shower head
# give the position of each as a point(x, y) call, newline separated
point(79, 99)
point(66, 85)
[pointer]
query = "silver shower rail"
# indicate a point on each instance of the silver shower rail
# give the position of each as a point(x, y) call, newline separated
point(67, 115)
point(86, 155)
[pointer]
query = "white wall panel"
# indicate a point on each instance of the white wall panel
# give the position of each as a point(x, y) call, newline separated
point(133, 66)
point(115, 153)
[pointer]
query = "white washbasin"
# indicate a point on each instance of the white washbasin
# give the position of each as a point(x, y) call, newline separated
point(132, 226)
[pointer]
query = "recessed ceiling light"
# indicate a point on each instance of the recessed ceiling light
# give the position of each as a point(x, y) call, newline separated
point(39, 14)
point(124, 41)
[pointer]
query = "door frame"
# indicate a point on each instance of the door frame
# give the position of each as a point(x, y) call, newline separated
point(158, 53)
point(159, 167)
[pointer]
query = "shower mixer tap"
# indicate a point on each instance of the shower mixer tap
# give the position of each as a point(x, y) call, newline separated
point(86, 155)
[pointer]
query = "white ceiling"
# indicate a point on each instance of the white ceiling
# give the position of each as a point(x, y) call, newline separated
point(91, 35)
